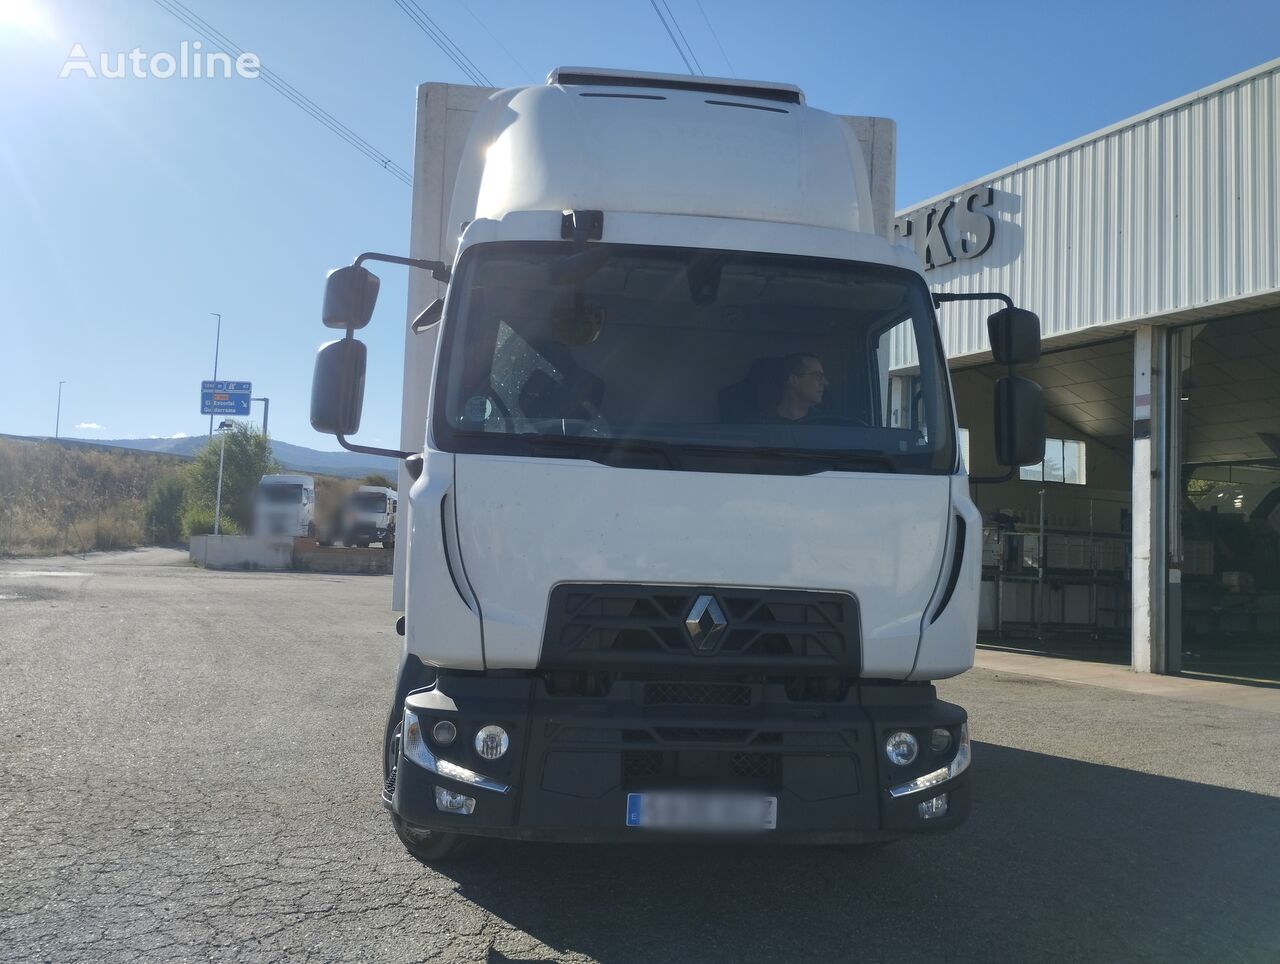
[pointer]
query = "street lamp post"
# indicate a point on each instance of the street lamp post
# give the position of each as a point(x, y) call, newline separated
point(57, 423)
point(217, 508)
point(216, 345)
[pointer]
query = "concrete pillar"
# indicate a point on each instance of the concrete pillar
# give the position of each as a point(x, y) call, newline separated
point(1154, 493)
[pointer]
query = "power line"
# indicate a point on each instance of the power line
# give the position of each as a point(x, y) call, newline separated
point(277, 83)
point(688, 46)
point(527, 73)
point(442, 40)
point(716, 37)
point(675, 43)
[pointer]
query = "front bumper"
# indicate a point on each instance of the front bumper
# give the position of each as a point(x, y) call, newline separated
point(573, 761)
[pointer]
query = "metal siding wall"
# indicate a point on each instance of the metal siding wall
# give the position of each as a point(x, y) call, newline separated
point(1176, 210)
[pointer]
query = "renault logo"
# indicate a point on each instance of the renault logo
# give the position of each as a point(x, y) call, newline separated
point(705, 624)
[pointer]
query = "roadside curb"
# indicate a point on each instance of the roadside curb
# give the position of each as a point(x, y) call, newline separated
point(1240, 696)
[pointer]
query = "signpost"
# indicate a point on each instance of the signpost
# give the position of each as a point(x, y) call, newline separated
point(225, 398)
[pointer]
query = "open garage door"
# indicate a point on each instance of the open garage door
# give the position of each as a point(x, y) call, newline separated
point(1057, 537)
point(1230, 505)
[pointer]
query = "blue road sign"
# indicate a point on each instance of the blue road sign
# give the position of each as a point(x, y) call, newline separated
point(225, 398)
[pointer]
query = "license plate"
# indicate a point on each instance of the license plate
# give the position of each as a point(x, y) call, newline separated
point(707, 812)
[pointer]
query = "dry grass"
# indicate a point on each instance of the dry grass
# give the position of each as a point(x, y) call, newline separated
point(57, 498)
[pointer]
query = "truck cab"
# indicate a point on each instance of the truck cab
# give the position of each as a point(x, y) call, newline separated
point(689, 534)
point(370, 516)
point(284, 505)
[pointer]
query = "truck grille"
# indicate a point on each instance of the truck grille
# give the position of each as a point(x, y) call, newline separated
point(642, 768)
point(642, 627)
point(697, 694)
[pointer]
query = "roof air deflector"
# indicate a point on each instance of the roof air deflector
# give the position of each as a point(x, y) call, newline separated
point(587, 77)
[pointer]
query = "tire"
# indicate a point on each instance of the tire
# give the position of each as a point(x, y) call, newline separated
point(389, 544)
point(430, 846)
point(362, 543)
point(311, 530)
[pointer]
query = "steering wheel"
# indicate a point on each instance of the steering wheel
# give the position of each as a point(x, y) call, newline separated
point(839, 420)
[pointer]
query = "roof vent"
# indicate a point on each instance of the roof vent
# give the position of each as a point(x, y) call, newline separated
point(599, 77)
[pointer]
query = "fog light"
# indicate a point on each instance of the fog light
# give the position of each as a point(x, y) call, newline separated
point(452, 802)
point(492, 741)
point(928, 809)
point(901, 748)
point(444, 733)
point(940, 740)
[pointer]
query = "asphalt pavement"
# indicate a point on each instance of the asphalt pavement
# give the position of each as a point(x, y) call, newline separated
point(189, 770)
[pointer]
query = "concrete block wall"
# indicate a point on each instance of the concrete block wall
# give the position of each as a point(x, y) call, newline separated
point(242, 552)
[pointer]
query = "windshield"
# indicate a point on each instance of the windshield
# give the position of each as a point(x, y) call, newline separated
point(277, 494)
point(369, 502)
point(676, 358)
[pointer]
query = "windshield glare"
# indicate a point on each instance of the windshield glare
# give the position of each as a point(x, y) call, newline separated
point(693, 359)
point(281, 494)
point(369, 502)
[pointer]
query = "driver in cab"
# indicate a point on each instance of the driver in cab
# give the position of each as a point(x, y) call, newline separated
point(804, 382)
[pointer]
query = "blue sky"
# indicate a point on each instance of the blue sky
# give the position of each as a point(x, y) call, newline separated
point(130, 209)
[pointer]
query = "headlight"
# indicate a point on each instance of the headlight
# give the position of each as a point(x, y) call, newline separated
point(956, 767)
point(901, 748)
point(492, 741)
point(416, 749)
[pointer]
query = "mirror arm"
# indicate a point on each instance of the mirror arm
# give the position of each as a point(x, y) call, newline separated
point(370, 450)
point(942, 297)
point(439, 270)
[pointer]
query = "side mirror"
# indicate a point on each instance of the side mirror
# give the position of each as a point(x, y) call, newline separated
point(1019, 417)
point(337, 387)
point(349, 296)
point(1015, 336)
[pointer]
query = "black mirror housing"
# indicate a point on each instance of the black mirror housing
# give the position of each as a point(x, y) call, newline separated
point(1015, 336)
point(337, 387)
point(349, 296)
point(1019, 421)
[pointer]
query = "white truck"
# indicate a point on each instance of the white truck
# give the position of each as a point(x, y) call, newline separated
point(366, 515)
point(284, 505)
point(688, 535)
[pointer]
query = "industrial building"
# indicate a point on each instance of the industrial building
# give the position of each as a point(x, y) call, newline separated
point(1151, 252)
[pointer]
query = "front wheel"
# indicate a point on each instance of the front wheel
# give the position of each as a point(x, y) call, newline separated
point(430, 846)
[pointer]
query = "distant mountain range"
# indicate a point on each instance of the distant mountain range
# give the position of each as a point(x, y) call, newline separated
point(295, 458)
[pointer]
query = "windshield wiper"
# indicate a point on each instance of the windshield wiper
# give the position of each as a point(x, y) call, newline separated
point(847, 460)
point(606, 451)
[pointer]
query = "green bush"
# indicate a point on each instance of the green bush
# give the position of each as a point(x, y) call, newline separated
point(197, 520)
point(162, 512)
point(247, 459)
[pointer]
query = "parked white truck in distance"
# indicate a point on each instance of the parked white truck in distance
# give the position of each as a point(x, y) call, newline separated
point(284, 505)
point(689, 536)
point(366, 515)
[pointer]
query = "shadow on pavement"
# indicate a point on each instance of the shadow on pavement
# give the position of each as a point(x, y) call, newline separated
point(1060, 859)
